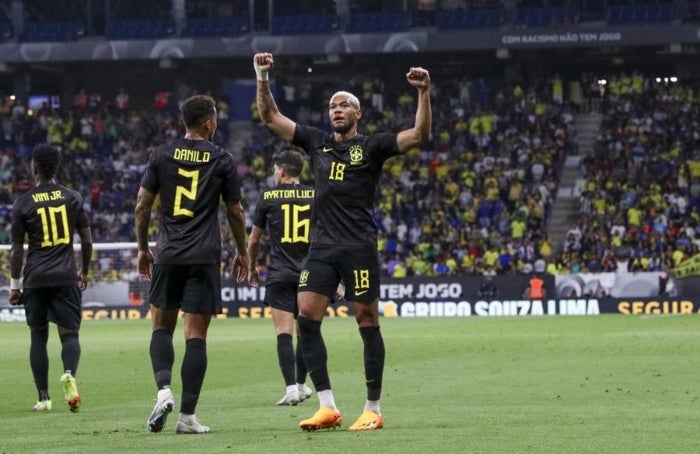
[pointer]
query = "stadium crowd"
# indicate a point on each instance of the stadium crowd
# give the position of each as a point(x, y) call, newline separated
point(641, 191)
point(475, 200)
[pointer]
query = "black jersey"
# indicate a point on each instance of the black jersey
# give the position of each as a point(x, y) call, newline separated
point(286, 212)
point(47, 216)
point(346, 177)
point(190, 176)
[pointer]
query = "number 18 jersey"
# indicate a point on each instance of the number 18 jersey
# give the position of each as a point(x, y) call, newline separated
point(346, 175)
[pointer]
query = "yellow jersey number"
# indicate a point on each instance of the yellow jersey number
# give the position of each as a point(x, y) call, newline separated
point(187, 193)
point(296, 228)
point(337, 171)
point(54, 225)
point(361, 279)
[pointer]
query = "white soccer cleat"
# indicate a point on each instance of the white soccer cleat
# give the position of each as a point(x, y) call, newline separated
point(289, 399)
point(190, 425)
point(42, 405)
point(165, 402)
point(304, 392)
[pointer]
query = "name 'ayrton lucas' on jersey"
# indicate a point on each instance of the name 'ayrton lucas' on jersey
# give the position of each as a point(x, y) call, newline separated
point(183, 154)
point(288, 194)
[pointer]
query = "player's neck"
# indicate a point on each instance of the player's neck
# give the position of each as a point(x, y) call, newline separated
point(195, 135)
point(40, 181)
point(294, 180)
point(339, 137)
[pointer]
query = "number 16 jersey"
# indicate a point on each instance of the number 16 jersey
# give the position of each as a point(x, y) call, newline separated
point(285, 211)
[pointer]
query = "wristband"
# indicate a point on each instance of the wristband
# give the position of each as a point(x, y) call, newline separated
point(260, 73)
point(14, 284)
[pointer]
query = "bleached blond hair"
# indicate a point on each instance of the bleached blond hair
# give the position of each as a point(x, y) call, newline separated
point(352, 98)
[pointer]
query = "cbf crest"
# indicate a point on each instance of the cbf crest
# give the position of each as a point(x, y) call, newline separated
point(355, 154)
point(303, 277)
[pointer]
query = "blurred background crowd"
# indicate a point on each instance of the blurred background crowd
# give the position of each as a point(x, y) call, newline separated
point(476, 199)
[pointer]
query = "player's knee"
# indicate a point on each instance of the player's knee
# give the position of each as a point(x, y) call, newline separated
point(366, 314)
point(64, 332)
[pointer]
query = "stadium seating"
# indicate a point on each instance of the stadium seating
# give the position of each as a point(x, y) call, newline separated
point(6, 30)
point(652, 212)
point(457, 157)
point(303, 24)
point(379, 22)
point(631, 13)
point(692, 11)
point(203, 27)
point(140, 29)
point(133, 19)
point(52, 31)
point(470, 18)
point(546, 16)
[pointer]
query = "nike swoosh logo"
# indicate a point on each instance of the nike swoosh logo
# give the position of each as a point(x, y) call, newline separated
point(360, 293)
point(327, 149)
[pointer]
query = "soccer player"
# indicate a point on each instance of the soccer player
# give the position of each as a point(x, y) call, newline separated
point(47, 216)
point(347, 167)
point(285, 211)
point(190, 174)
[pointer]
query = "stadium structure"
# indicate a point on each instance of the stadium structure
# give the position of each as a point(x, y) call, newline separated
point(53, 52)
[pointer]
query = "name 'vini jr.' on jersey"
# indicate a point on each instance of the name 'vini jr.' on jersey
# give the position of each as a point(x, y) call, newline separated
point(47, 196)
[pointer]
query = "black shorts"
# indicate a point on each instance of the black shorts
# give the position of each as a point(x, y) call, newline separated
point(60, 305)
point(196, 289)
point(282, 295)
point(356, 266)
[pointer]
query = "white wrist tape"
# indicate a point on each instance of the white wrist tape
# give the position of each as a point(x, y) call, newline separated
point(14, 284)
point(260, 73)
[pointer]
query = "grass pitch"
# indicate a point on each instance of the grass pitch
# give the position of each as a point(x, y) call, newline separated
point(608, 383)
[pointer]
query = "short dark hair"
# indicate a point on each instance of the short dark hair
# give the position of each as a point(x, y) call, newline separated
point(196, 110)
point(290, 160)
point(46, 159)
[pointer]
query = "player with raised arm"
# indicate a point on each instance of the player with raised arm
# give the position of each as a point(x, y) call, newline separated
point(347, 166)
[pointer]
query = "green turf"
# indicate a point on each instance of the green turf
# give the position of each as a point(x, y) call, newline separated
point(609, 383)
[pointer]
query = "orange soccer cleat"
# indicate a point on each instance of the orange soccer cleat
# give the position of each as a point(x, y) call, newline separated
point(324, 418)
point(368, 420)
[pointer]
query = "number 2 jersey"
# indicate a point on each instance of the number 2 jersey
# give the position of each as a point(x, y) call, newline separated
point(190, 176)
point(346, 175)
point(285, 211)
point(47, 216)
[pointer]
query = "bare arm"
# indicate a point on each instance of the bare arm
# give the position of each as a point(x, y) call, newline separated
point(16, 260)
point(236, 219)
point(419, 78)
point(253, 249)
point(142, 215)
point(267, 108)
point(85, 256)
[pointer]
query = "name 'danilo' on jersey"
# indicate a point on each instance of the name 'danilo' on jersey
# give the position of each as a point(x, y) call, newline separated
point(183, 154)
